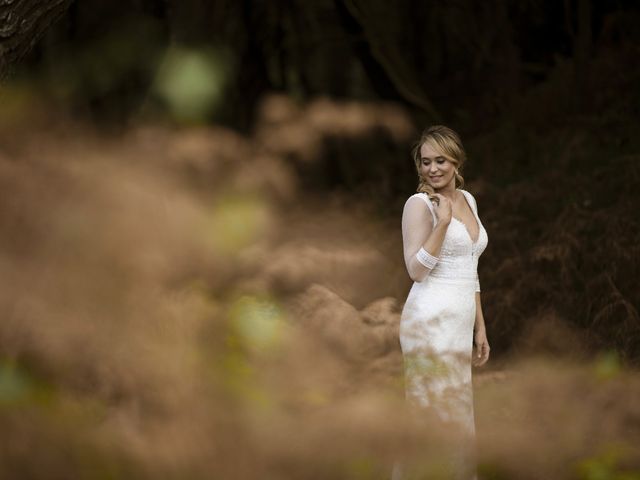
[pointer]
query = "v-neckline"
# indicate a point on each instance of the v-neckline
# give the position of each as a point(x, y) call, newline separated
point(464, 224)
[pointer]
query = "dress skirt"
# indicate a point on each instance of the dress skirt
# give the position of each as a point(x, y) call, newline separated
point(436, 336)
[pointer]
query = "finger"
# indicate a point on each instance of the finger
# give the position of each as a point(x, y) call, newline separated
point(482, 359)
point(480, 352)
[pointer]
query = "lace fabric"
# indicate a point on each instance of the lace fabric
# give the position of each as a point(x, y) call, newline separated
point(459, 254)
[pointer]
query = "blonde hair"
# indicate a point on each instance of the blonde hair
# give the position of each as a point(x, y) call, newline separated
point(448, 144)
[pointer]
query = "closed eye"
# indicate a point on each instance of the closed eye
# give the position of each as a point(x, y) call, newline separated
point(439, 160)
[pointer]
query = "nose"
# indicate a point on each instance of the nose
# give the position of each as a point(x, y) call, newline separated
point(433, 167)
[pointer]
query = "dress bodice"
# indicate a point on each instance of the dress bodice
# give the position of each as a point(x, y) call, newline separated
point(458, 259)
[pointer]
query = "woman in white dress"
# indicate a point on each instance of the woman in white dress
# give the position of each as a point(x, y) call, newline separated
point(442, 318)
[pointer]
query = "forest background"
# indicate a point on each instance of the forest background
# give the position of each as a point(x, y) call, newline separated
point(201, 247)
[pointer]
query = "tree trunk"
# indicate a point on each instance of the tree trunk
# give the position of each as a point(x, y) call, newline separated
point(387, 55)
point(581, 37)
point(22, 23)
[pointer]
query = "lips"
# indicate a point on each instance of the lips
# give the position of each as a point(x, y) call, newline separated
point(436, 178)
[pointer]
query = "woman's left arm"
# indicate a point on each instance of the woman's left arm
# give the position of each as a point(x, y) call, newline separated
point(480, 335)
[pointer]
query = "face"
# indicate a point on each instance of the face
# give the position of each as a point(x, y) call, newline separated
point(438, 171)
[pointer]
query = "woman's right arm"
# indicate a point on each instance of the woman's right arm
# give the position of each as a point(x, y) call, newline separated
point(421, 240)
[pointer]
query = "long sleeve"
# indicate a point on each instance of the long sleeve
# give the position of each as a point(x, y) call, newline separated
point(417, 224)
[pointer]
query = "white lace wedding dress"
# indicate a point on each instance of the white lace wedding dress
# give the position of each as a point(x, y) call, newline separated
point(436, 328)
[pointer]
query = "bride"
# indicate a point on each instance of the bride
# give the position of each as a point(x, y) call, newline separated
point(442, 318)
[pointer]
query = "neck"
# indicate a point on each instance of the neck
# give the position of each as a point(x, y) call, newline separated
point(448, 191)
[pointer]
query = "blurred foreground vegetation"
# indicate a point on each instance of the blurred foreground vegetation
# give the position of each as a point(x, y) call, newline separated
point(195, 291)
point(173, 310)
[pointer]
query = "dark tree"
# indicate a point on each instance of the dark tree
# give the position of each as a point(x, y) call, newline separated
point(22, 24)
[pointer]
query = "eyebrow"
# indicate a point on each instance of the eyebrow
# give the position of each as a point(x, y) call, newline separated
point(429, 158)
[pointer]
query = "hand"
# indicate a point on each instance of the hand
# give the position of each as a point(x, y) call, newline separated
point(443, 209)
point(481, 354)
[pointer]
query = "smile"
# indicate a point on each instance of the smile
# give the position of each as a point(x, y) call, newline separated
point(436, 178)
